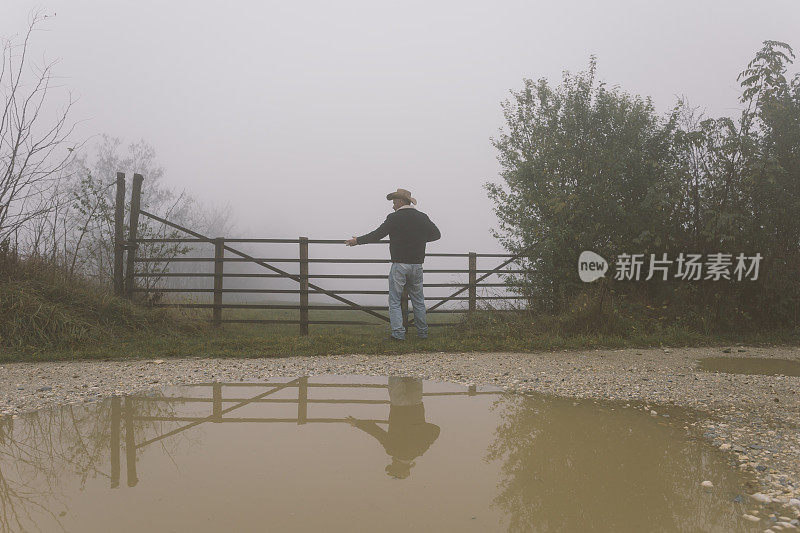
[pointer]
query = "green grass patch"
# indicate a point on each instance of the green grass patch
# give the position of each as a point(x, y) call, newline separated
point(481, 332)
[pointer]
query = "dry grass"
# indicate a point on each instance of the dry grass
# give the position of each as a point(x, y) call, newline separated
point(42, 306)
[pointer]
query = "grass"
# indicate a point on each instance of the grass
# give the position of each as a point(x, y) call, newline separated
point(482, 332)
point(46, 315)
point(42, 307)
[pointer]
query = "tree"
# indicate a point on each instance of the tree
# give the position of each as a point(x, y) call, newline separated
point(585, 167)
point(34, 149)
point(92, 210)
point(771, 154)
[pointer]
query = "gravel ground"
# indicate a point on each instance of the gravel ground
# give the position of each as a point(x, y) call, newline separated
point(754, 419)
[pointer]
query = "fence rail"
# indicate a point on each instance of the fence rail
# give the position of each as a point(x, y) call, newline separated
point(226, 254)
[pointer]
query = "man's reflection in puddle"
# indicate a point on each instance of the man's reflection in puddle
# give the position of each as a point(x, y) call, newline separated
point(409, 436)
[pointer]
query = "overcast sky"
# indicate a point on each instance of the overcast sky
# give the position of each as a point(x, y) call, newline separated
point(303, 115)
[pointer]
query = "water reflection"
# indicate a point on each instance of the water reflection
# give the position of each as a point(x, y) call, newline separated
point(222, 456)
point(39, 450)
point(409, 435)
point(603, 466)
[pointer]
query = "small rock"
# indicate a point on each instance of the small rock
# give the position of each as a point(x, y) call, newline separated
point(44, 389)
point(761, 498)
point(794, 502)
point(707, 484)
point(157, 361)
point(653, 413)
point(725, 447)
point(751, 518)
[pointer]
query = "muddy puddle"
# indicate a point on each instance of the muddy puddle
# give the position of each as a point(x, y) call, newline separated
point(355, 453)
point(750, 365)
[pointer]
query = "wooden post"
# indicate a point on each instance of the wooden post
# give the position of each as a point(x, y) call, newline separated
point(119, 236)
point(130, 444)
point(473, 284)
point(216, 406)
point(219, 256)
point(116, 414)
point(133, 226)
point(303, 285)
point(302, 401)
point(404, 308)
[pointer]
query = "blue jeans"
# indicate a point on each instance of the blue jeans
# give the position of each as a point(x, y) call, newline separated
point(406, 275)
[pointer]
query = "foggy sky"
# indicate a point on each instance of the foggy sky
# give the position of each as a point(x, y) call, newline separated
point(303, 115)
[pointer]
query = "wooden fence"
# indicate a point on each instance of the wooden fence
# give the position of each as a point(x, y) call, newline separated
point(226, 253)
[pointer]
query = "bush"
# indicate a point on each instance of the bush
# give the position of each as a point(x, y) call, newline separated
point(587, 167)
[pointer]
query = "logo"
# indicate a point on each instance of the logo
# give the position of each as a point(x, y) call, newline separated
point(685, 267)
point(591, 266)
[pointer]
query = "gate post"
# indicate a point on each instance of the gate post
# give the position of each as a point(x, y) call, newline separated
point(473, 284)
point(219, 256)
point(116, 413)
point(133, 226)
point(119, 236)
point(303, 285)
point(130, 444)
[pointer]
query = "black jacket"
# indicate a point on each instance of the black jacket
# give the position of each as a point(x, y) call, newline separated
point(408, 231)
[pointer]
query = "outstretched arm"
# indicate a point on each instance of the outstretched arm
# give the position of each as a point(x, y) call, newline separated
point(373, 236)
point(371, 428)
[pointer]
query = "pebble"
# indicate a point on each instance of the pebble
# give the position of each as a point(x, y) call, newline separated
point(751, 518)
point(707, 484)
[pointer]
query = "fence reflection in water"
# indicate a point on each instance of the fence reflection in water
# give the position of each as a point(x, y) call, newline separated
point(405, 420)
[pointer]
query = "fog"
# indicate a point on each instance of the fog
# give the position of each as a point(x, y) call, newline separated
point(302, 116)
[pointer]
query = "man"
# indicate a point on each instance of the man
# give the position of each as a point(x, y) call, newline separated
point(408, 230)
point(409, 435)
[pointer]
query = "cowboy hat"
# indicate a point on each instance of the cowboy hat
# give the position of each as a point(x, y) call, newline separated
point(401, 194)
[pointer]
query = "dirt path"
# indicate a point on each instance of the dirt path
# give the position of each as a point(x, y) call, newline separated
point(755, 419)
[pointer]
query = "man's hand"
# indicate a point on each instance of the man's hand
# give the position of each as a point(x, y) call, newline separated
point(351, 242)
